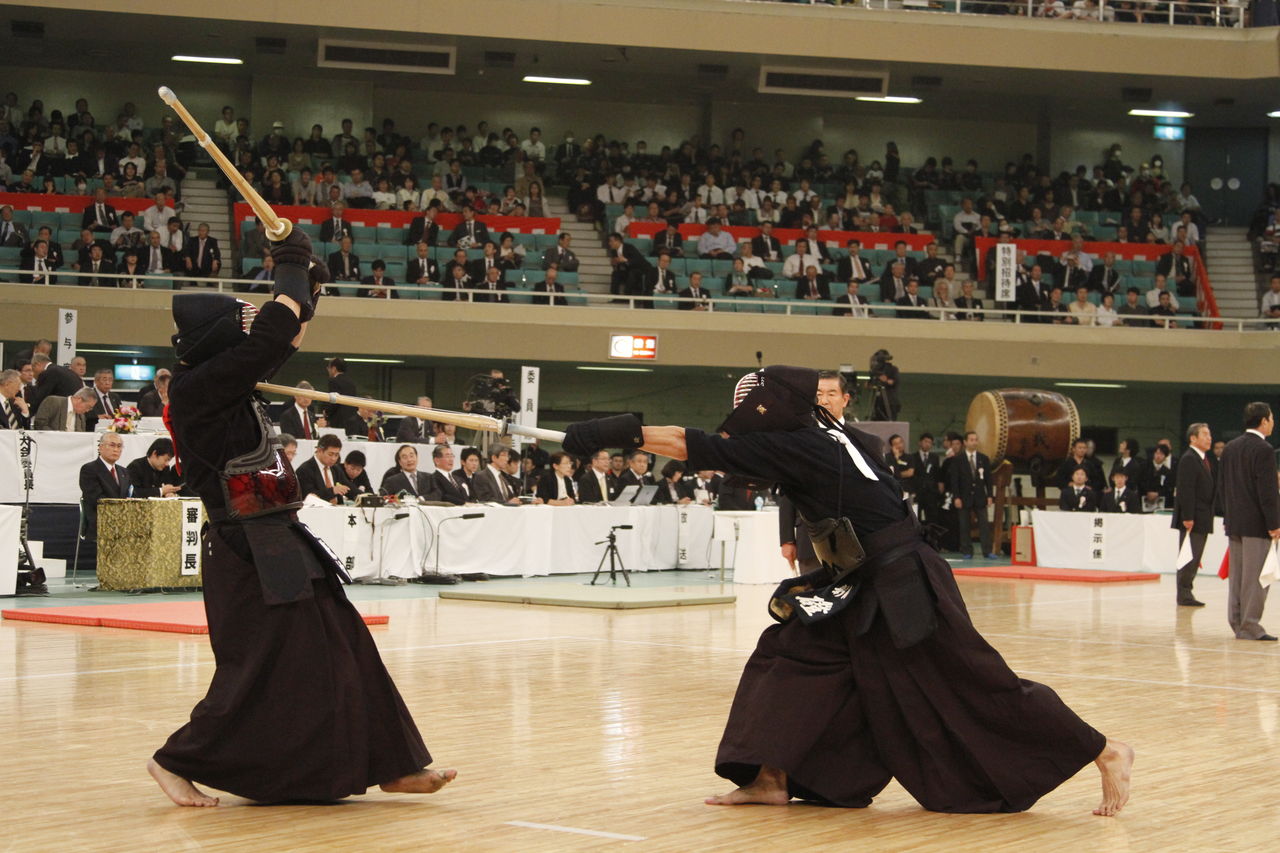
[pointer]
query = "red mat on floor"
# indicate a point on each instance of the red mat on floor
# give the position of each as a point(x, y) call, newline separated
point(1040, 573)
point(174, 617)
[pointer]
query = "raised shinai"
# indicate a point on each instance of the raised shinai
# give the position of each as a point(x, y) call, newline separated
point(300, 706)
point(875, 670)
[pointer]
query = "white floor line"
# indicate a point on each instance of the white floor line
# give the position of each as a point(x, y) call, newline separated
point(1181, 684)
point(616, 836)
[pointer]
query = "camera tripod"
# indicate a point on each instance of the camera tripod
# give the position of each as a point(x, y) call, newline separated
point(613, 556)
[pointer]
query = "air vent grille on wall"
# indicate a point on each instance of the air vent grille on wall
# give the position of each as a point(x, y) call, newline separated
point(925, 82)
point(711, 71)
point(26, 29)
point(499, 59)
point(1135, 95)
point(829, 84)
point(379, 56)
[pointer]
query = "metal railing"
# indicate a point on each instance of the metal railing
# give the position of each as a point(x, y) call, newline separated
point(777, 306)
point(1170, 12)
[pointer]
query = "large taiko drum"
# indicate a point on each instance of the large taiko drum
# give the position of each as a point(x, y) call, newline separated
point(1032, 429)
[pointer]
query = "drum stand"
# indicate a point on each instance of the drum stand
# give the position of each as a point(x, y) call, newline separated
point(1001, 479)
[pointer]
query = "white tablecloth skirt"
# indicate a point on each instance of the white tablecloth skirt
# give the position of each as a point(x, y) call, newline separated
point(1119, 542)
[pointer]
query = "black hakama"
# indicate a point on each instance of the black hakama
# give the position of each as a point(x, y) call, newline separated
point(300, 706)
point(842, 709)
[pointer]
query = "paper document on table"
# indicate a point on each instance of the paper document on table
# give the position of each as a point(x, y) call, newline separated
point(1184, 553)
point(1271, 566)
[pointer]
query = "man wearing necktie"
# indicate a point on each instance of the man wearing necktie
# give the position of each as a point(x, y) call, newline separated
point(416, 430)
point(1193, 507)
point(694, 297)
point(14, 411)
point(971, 495)
point(297, 420)
point(99, 216)
point(203, 258)
point(57, 413)
point(38, 265)
point(561, 255)
point(1078, 497)
point(102, 478)
point(106, 402)
point(335, 228)
point(100, 269)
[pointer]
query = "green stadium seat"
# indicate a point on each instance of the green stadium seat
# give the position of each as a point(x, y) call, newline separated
point(158, 283)
point(546, 241)
point(312, 231)
point(365, 251)
point(391, 234)
point(1144, 268)
point(364, 233)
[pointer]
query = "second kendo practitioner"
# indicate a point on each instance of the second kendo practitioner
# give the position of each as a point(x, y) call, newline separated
point(300, 706)
point(874, 670)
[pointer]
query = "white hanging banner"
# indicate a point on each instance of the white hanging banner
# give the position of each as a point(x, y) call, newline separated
point(1006, 272)
point(66, 335)
point(192, 520)
point(529, 379)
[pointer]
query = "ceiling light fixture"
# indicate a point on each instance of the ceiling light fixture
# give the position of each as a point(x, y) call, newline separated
point(564, 81)
point(1162, 113)
point(617, 369)
point(890, 99)
point(1274, 114)
point(213, 60)
point(1089, 385)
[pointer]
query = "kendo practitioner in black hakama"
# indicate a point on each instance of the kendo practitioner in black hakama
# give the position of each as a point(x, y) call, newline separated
point(875, 670)
point(300, 707)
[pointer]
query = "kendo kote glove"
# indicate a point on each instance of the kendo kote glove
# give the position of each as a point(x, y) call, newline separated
point(586, 437)
point(292, 277)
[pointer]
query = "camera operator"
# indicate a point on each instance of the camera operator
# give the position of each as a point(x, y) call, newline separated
point(491, 395)
point(884, 387)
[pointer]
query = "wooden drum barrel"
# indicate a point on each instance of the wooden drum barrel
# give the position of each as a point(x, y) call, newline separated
point(1032, 429)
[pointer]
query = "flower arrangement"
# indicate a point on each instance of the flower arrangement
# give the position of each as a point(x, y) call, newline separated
point(125, 420)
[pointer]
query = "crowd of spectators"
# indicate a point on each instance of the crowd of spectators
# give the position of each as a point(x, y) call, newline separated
point(1210, 13)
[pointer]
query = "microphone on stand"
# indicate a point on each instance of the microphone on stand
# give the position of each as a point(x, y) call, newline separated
point(434, 577)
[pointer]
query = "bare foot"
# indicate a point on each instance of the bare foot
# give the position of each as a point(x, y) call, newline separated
point(422, 782)
point(1115, 763)
point(768, 789)
point(180, 790)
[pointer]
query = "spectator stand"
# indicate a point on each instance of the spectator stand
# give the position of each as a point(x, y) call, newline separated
point(1140, 264)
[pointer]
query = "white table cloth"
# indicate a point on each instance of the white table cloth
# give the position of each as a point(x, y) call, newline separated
point(751, 546)
point(1119, 542)
point(527, 540)
point(10, 527)
point(57, 457)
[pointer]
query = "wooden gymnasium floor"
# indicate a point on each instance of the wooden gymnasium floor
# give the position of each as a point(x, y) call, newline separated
point(608, 722)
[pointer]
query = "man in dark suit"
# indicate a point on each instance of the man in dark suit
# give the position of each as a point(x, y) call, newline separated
point(344, 265)
point(893, 283)
point(491, 288)
point(107, 402)
point(100, 216)
point(853, 267)
point(469, 231)
point(1104, 277)
point(52, 379)
point(12, 232)
point(423, 229)
point(694, 297)
point(925, 482)
point(1080, 459)
point(102, 478)
point(422, 270)
point(637, 471)
point(406, 478)
point(297, 419)
point(561, 255)
point(595, 485)
point(1177, 270)
point(910, 266)
point(321, 475)
point(442, 458)
point(490, 483)
point(1122, 497)
point(852, 303)
point(1161, 475)
point(465, 476)
point(1252, 519)
point(971, 493)
point(659, 280)
point(629, 267)
point(1077, 496)
point(14, 411)
point(1193, 506)
point(668, 242)
point(416, 430)
point(1033, 295)
point(812, 286)
point(550, 289)
point(911, 304)
point(479, 268)
point(333, 229)
point(766, 246)
point(99, 270)
point(202, 257)
point(37, 265)
point(339, 416)
point(378, 285)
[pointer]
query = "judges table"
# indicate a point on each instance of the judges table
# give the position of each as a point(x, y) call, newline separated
point(149, 543)
point(56, 458)
point(508, 540)
point(1119, 542)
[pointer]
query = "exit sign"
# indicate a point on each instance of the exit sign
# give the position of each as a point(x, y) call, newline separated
point(633, 346)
